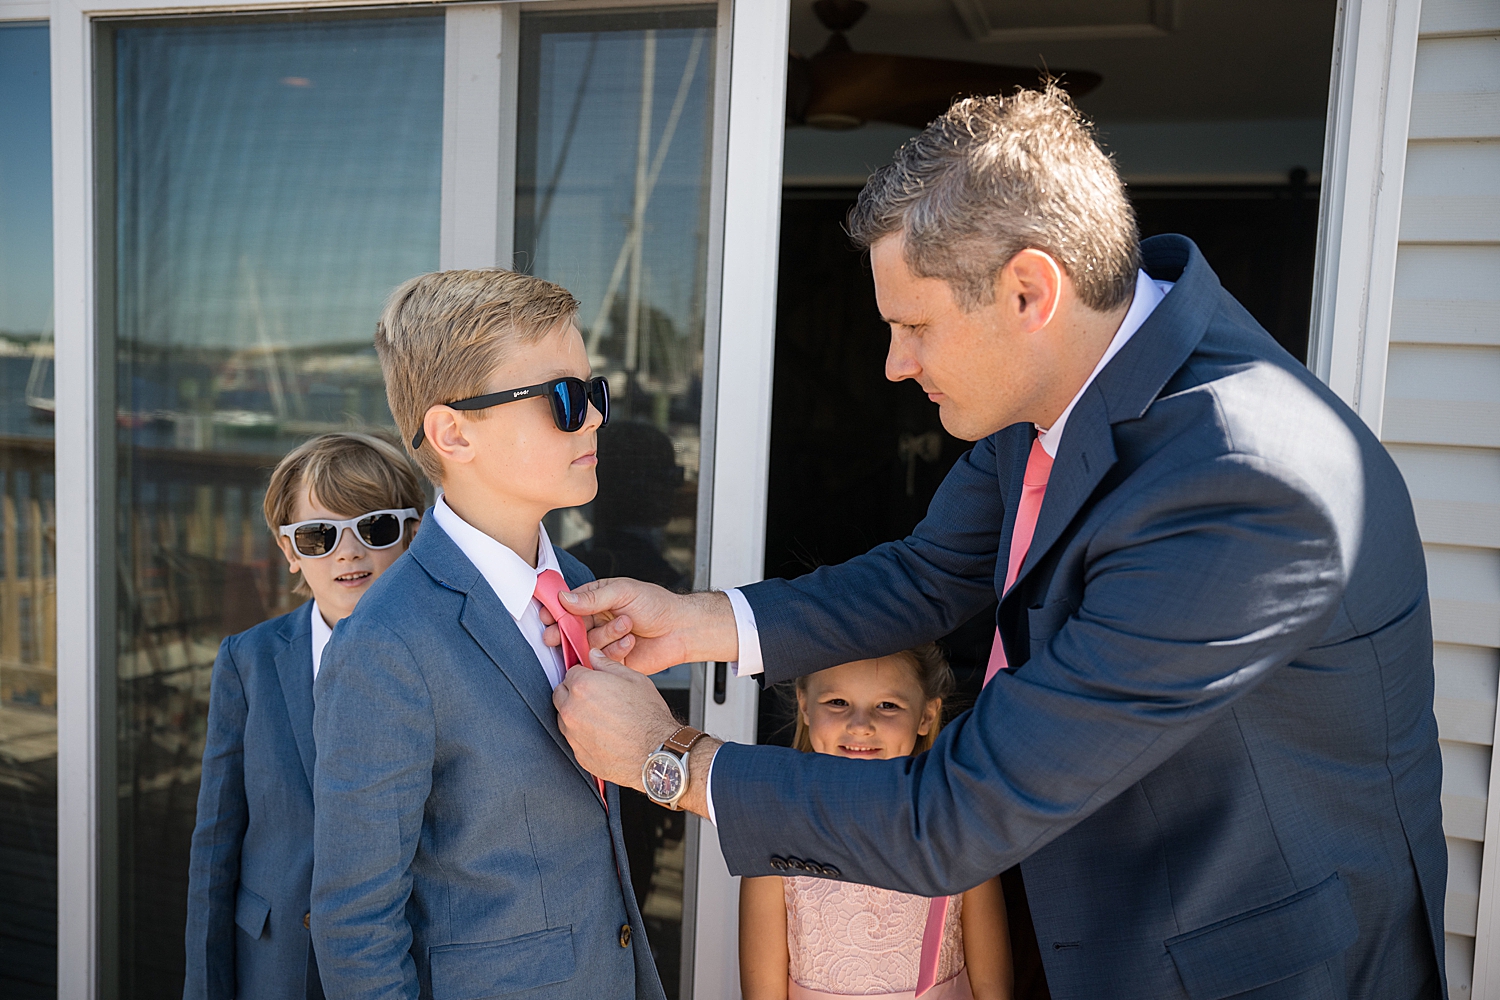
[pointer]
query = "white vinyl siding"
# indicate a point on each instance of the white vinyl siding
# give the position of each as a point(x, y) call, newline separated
point(1442, 424)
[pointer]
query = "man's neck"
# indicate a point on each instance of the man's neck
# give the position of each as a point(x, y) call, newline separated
point(1083, 337)
point(510, 524)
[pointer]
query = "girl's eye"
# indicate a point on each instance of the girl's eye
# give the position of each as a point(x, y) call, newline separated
point(889, 706)
point(836, 703)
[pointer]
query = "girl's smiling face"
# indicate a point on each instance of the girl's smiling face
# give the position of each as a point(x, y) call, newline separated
point(867, 710)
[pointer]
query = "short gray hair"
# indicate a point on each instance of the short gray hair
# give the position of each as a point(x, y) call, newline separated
point(997, 175)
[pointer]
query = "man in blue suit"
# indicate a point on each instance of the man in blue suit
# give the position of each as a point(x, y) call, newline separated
point(460, 852)
point(1208, 739)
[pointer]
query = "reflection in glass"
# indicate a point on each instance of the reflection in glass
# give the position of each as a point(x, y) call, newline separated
point(612, 201)
point(273, 182)
point(28, 582)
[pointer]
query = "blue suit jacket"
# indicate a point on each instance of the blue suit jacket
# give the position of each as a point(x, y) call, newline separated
point(461, 852)
point(251, 867)
point(1216, 755)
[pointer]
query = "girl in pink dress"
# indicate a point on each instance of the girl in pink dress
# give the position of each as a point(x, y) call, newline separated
point(805, 938)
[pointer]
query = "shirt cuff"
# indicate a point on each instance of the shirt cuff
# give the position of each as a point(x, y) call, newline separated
point(710, 795)
point(749, 664)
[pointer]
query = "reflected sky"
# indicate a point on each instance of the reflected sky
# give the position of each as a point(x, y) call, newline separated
point(276, 181)
point(582, 112)
point(25, 179)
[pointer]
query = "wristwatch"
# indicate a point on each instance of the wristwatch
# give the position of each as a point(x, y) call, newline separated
point(665, 773)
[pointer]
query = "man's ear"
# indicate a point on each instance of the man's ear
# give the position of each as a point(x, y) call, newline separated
point(445, 434)
point(1031, 285)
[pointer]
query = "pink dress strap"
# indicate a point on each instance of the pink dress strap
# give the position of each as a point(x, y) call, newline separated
point(932, 944)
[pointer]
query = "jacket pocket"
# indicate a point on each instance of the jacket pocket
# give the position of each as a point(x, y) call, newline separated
point(492, 968)
point(1045, 622)
point(1267, 944)
point(250, 912)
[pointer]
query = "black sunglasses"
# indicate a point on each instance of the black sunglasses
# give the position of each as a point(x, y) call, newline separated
point(570, 398)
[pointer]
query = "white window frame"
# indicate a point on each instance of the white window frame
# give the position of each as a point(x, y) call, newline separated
point(477, 186)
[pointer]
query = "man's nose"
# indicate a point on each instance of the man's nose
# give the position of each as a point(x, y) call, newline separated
point(901, 360)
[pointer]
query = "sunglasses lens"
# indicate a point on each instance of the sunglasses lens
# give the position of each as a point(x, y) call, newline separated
point(569, 404)
point(380, 531)
point(317, 539)
point(599, 396)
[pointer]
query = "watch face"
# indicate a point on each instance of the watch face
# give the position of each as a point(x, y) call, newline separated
point(663, 776)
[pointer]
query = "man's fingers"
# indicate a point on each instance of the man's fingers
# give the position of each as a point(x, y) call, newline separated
point(607, 632)
point(601, 661)
point(620, 650)
point(552, 635)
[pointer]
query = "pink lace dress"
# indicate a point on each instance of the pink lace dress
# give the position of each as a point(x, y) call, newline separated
point(856, 940)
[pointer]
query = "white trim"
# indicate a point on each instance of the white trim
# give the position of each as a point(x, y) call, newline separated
point(1364, 161)
point(79, 791)
point(1160, 21)
point(472, 125)
point(1486, 977)
point(24, 10)
point(747, 336)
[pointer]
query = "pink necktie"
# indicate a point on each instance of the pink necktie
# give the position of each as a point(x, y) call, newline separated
point(575, 639)
point(1033, 486)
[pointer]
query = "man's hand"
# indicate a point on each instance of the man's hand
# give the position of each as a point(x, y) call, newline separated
point(614, 717)
point(649, 628)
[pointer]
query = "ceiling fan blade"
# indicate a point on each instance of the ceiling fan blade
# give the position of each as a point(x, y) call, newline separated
point(848, 88)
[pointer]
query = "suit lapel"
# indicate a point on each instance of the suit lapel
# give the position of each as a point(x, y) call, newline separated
point(294, 668)
point(492, 627)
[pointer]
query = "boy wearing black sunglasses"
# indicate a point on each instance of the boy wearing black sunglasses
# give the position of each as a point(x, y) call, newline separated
point(343, 508)
point(460, 850)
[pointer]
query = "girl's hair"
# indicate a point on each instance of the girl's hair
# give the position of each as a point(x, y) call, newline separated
point(929, 665)
point(350, 473)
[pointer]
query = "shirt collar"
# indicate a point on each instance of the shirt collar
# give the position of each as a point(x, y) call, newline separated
point(321, 633)
point(509, 576)
point(1148, 294)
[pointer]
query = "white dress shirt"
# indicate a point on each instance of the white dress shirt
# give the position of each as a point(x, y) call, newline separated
point(1148, 295)
point(321, 633)
point(511, 578)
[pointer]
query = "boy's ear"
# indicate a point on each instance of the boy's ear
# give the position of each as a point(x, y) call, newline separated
point(293, 565)
point(445, 434)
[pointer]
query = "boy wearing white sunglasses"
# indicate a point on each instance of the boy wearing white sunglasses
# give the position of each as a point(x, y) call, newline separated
point(343, 508)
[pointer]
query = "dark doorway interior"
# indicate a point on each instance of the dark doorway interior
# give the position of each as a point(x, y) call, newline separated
point(856, 459)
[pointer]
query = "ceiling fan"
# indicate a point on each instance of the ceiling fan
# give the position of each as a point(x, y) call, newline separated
point(839, 88)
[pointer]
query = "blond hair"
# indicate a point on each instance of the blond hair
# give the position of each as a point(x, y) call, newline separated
point(442, 335)
point(997, 175)
point(349, 473)
point(929, 665)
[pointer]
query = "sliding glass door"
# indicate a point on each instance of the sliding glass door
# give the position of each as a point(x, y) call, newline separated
point(28, 524)
point(272, 181)
point(615, 144)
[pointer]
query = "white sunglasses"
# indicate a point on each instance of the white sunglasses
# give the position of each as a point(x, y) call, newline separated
point(379, 529)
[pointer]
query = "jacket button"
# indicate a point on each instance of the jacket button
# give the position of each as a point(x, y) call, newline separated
point(831, 871)
point(796, 864)
point(778, 863)
point(624, 935)
point(307, 920)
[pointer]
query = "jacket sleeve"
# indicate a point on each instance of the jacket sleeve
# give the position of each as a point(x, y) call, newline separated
point(214, 862)
point(900, 593)
point(1216, 576)
point(375, 733)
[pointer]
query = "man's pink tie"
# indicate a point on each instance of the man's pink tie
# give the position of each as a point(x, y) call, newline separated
point(575, 639)
point(1033, 487)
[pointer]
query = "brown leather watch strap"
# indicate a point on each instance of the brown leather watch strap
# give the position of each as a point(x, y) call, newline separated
point(682, 741)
